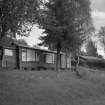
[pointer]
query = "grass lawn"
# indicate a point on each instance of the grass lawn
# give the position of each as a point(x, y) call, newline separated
point(52, 88)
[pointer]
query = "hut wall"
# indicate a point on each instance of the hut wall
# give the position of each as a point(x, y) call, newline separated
point(9, 58)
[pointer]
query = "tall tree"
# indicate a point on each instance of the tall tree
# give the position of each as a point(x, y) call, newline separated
point(91, 49)
point(17, 16)
point(101, 37)
point(64, 22)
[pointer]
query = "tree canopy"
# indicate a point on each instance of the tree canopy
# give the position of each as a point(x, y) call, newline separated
point(17, 16)
point(64, 20)
point(101, 36)
point(65, 23)
point(22, 41)
point(91, 49)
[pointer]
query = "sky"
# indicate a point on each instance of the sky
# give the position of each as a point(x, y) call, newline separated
point(97, 13)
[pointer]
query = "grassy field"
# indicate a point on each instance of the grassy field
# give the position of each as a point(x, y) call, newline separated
point(52, 88)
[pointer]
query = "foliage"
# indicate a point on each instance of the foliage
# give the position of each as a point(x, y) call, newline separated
point(96, 63)
point(17, 16)
point(91, 48)
point(101, 37)
point(92, 62)
point(100, 56)
point(36, 46)
point(22, 41)
point(65, 23)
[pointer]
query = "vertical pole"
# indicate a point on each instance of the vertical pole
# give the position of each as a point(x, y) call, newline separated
point(70, 61)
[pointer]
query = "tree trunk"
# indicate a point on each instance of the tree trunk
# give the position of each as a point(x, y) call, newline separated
point(66, 60)
point(77, 72)
point(58, 59)
point(2, 33)
point(70, 60)
point(13, 34)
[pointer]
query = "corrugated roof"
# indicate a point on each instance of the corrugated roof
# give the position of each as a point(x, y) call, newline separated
point(7, 42)
point(29, 47)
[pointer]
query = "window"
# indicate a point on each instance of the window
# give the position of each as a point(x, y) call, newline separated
point(24, 55)
point(8, 52)
point(50, 58)
point(36, 56)
point(29, 55)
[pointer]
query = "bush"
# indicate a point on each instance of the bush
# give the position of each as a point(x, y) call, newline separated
point(96, 64)
point(91, 62)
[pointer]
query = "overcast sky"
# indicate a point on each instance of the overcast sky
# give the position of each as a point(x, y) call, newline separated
point(98, 15)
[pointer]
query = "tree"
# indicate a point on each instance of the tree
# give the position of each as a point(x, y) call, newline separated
point(91, 49)
point(36, 46)
point(22, 41)
point(101, 36)
point(64, 22)
point(17, 16)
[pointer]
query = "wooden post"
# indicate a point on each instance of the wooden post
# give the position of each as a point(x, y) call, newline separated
point(77, 71)
point(70, 60)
